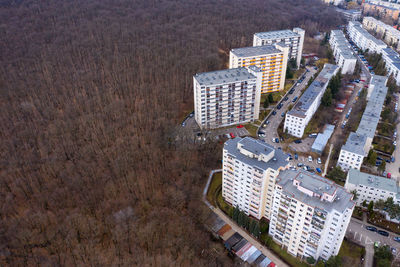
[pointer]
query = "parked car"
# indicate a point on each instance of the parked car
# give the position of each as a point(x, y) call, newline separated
point(276, 140)
point(267, 122)
point(301, 165)
point(318, 170)
point(291, 91)
point(274, 112)
point(394, 251)
point(384, 233)
point(396, 238)
point(283, 115)
point(261, 134)
point(389, 175)
point(183, 124)
point(232, 135)
point(313, 135)
point(296, 156)
point(298, 141)
point(239, 126)
point(279, 106)
point(294, 99)
point(371, 228)
point(319, 161)
point(309, 158)
point(286, 98)
point(273, 140)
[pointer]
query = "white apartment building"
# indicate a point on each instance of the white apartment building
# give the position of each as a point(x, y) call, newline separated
point(389, 34)
point(359, 143)
point(353, 152)
point(392, 60)
point(395, 4)
point(293, 39)
point(363, 39)
point(272, 59)
point(227, 97)
point(350, 14)
point(342, 52)
point(371, 187)
point(250, 168)
point(310, 214)
point(298, 117)
point(334, 2)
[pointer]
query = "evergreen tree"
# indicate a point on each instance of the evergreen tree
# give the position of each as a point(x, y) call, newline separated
point(270, 98)
point(256, 231)
point(236, 214)
point(266, 102)
point(251, 227)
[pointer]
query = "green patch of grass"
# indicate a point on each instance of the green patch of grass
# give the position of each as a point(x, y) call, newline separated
point(224, 206)
point(216, 182)
point(252, 129)
point(351, 253)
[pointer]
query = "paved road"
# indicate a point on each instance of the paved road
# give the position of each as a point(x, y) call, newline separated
point(237, 228)
point(357, 232)
point(393, 168)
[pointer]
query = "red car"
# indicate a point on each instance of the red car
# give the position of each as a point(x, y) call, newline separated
point(232, 135)
point(389, 175)
point(362, 80)
point(239, 126)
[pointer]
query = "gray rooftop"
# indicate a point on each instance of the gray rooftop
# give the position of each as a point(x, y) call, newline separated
point(355, 143)
point(254, 51)
point(322, 138)
point(342, 44)
point(360, 178)
point(255, 146)
point(308, 97)
point(393, 56)
point(277, 34)
point(318, 185)
point(224, 76)
point(358, 27)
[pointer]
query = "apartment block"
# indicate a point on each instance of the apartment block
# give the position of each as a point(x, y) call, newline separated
point(392, 60)
point(350, 14)
point(334, 2)
point(390, 35)
point(363, 39)
point(359, 143)
point(382, 9)
point(227, 97)
point(293, 39)
point(371, 187)
point(342, 52)
point(310, 214)
point(298, 117)
point(250, 168)
point(272, 59)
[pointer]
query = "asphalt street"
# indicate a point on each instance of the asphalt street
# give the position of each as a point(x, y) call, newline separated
point(394, 167)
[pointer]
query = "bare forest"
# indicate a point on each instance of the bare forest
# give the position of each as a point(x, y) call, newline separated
point(90, 94)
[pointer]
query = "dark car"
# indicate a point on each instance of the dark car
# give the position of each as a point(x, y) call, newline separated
point(294, 99)
point(300, 164)
point(378, 163)
point(276, 140)
point(296, 156)
point(286, 98)
point(279, 106)
point(396, 238)
point(298, 141)
point(384, 233)
point(371, 228)
point(274, 112)
point(291, 91)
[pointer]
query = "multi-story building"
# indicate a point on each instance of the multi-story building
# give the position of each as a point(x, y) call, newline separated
point(382, 9)
point(334, 2)
point(272, 59)
point(298, 117)
point(353, 152)
point(310, 214)
point(227, 97)
point(389, 34)
point(392, 60)
point(342, 52)
point(359, 143)
point(371, 187)
point(350, 14)
point(293, 39)
point(250, 168)
point(363, 39)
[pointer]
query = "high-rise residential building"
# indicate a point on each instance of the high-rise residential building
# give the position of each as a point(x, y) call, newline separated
point(250, 167)
point(293, 39)
point(272, 59)
point(227, 97)
point(359, 143)
point(310, 214)
point(363, 39)
point(298, 117)
point(342, 52)
point(390, 35)
point(371, 187)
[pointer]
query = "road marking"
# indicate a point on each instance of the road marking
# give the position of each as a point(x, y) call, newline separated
point(360, 237)
point(368, 241)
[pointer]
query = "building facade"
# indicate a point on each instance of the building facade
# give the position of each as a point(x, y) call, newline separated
point(293, 39)
point(310, 214)
point(350, 14)
point(342, 52)
point(371, 187)
point(381, 9)
point(363, 39)
point(272, 59)
point(298, 117)
point(353, 152)
point(250, 168)
point(389, 35)
point(392, 60)
point(227, 97)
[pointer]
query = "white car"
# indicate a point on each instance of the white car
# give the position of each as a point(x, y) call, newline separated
point(309, 158)
point(319, 161)
point(273, 140)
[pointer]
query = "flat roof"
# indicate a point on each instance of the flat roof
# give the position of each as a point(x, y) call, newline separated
point(384, 25)
point(355, 143)
point(224, 76)
point(322, 138)
point(342, 44)
point(253, 51)
point(358, 27)
point(255, 146)
point(317, 184)
point(360, 178)
point(312, 92)
point(277, 34)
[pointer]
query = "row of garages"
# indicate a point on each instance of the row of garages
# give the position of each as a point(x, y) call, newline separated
point(238, 245)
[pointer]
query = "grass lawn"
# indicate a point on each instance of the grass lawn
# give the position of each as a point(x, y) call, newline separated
point(216, 182)
point(351, 253)
point(252, 129)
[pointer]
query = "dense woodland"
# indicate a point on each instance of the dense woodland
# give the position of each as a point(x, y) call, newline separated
point(90, 94)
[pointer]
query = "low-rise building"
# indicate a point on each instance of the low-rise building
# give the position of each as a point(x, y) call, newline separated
point(342, 52)
point(322, 139)
point(353, 152)
point(371, 187)
point(293, 39)
point(350, 14)
point(250, 168)
point(227, 97)
point(272, 59)
point(363, 39)
point(298, 117)
point(389, 34)
point(310, 214)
